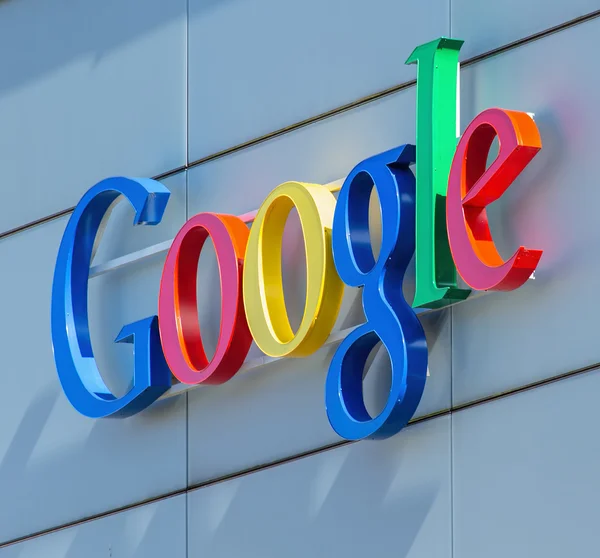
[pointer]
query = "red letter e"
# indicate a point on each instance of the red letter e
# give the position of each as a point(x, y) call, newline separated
point(472, 187)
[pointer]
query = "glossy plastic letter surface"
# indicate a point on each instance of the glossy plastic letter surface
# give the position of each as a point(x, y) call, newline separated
point(390, 319)
point(75, 363)
point(437, 132)
point(263, 286)
point(472, 187)
point(177, 304)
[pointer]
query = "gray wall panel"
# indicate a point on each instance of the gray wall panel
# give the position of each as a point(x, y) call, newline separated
point(260, 65)
point(320, 153)
point(501, 341)
point(89, 90)
point(48, 452)
point(526, 474)
point(153, 531)
point(365, 499)
point(488, 25)
point(279, 410)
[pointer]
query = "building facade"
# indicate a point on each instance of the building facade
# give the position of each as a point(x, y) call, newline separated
point(221, 101)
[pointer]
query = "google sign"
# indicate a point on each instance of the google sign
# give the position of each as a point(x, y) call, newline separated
point(439, 216)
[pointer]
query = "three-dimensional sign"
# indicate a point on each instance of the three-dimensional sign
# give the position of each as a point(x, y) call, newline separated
point(439, 216)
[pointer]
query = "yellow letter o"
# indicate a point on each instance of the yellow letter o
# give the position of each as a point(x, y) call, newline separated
point(262, 281)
